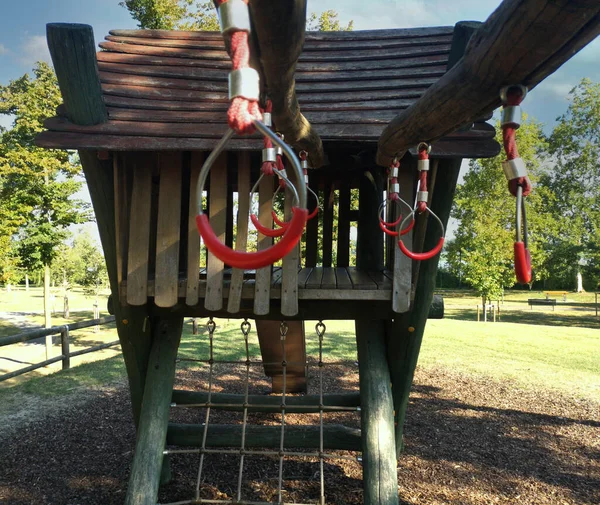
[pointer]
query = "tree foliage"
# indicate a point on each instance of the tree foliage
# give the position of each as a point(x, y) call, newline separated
point(80, 262)
point(327, 21)
point(482, 251)
point(36, 185)
point(195, 15)
point(574, 177)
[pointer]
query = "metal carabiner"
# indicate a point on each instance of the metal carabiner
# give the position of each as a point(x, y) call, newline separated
point(521, 247)
point(293, 231)
point(272, 232)
point(423, 255)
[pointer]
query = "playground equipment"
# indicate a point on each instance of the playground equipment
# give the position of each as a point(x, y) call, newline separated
point(146, 111)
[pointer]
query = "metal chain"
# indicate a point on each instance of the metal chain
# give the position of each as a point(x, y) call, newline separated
point(245, 327)
point(320, 328)
point(283, 330)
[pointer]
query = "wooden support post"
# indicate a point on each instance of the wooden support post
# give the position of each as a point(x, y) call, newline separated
point(72, 46)
point(405, 333)
point(380, 481)
point(522, 42)
point(280, 45)
point(154, 416)
point(64, 348)
point(73, 54)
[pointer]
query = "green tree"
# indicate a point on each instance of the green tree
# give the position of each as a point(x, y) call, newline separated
point(37, 184)
point(327, 21)
point(574, 177)
point(173, 14)
point(195, 15)
point(481, 253)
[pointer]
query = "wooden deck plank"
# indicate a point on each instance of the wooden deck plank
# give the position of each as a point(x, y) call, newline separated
point(168, 229)
point(218, 217)
point(316, 276)
point(328, 281)
point(241, 240)
point(361, 279)
point(303, 276)
point(139, 233)
point(381, 280)
point(342, 279)
point(194, 240)
point(263, 275)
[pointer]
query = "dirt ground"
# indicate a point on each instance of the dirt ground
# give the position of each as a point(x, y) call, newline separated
point(468, 441)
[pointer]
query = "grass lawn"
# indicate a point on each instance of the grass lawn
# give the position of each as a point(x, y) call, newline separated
point(557, 350)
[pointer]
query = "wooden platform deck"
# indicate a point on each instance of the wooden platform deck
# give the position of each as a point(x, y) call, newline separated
point(315, 283)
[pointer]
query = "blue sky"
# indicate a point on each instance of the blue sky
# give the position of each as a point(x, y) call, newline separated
point(22, 35)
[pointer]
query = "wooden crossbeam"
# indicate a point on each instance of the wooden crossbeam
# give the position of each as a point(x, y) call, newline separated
point(522, 42)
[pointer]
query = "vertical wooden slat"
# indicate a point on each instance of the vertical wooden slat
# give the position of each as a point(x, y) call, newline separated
point(328, 199)
point(312, 228)
point(193, 252)
point(343, 244)
point(262, 288)
point(218, 218)
point(121, 214)
point(139, 233)
point(289, 282)
point(403, 264)
point(229, 195)
point(168, 229)
point(237, 275)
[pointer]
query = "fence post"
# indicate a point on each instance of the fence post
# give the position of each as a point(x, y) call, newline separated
point(65, 351)
point(96, 316)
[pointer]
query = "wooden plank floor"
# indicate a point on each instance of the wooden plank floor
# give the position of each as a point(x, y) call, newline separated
point(322, 283)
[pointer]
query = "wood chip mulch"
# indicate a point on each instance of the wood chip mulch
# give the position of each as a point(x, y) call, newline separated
point(469, 441)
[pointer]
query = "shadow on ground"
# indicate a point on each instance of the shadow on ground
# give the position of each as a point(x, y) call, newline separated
point(544, 316)
point(468, 441)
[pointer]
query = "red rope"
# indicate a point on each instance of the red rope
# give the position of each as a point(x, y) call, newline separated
point(423, 155)
point(242, 111)
point(514, 97)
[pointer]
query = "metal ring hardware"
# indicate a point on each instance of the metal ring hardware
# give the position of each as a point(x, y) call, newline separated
point(423, 255)
point(293, 231)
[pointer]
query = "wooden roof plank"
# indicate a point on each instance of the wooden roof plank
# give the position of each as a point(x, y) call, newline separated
point(220, 75)
point(202, 130)
point(428, 77)
point(332, 56)
point(310, 35)
point(312, 67)
point(309, 46)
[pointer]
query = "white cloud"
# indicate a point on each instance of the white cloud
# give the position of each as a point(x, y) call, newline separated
point(34, 48)
point(3, 49)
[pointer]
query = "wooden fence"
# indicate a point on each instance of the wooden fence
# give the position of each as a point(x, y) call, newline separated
point(65, 355)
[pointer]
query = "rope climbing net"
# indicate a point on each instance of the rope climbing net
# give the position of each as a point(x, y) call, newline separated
point(283, 440)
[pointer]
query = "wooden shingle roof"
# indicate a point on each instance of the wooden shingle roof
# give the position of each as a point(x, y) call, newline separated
point(168, 90)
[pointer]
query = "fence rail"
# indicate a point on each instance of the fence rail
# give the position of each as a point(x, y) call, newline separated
point(64, 332)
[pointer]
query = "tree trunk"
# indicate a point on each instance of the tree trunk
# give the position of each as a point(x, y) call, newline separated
point(579, 282)
point(47, 314)
point(26, 283)
point(483, 300)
